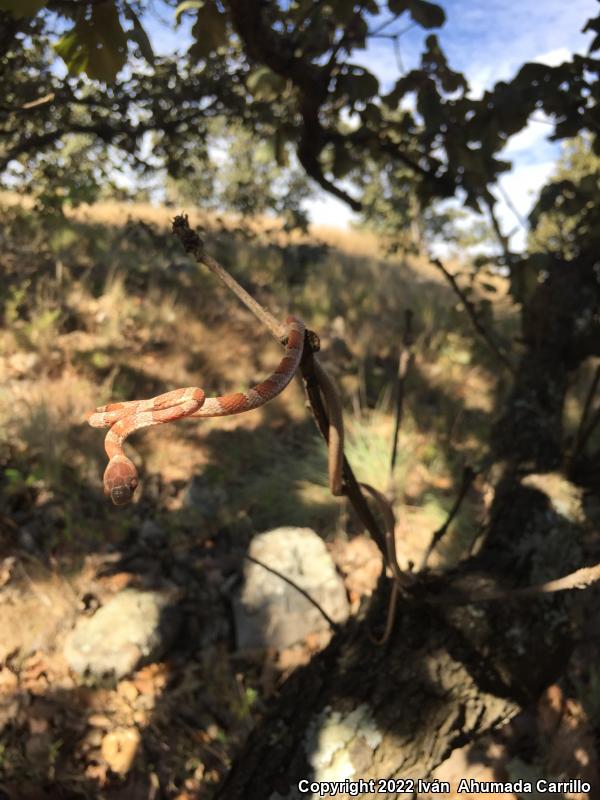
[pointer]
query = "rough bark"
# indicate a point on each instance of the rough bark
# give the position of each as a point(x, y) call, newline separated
point(450, 673)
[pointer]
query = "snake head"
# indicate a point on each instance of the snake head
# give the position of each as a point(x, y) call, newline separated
point(120, 480)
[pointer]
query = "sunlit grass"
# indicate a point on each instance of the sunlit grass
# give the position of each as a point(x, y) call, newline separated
point(43, 420)
point(137, 317)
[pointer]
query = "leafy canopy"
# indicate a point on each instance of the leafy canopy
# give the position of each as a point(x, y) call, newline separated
point(290, 74)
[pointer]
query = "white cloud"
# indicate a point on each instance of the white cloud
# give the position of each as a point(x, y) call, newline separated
point(554, 57)
point(522, 184)
point(167, 37)
point(327, 210)
point(534, 137)
point(522, 187)
point(489, 41)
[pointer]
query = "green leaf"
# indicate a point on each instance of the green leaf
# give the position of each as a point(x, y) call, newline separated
point(551, 193)
point(409, 83)
point(593, 24)
point(435, 62)
point(343, 162)
point(187, 5)
point(371, 114)
point(342, 11)
point(365, 86)
point(264, 84)
point(13, 475)
point(398, 6)
point(531, 73)
point(358, 87)
point(428, 15)
point(595, 45)
point(139, 35)
point(209, 31)
point(429, 105)
point(278, 144)
point(588, 186)
point(97, 46)
point(22, 8)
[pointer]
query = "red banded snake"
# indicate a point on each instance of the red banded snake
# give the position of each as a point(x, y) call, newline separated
point(122, 419)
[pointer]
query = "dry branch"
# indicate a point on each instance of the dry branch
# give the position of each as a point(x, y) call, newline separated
point(580, 579)
point(404, 361)
point(193, 245)
point(585, 430)
point(471, 311)
point(333, 625)
point(468, 477)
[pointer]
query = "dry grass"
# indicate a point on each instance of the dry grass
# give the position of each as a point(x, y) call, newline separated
point(144, 321)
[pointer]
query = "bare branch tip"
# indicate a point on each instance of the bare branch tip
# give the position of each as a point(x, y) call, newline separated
point(191, 241)
point(313, 343)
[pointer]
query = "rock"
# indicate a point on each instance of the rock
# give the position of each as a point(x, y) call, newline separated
point(152, 533)
point(133, 627)
point(27, 538)
point(271, 613)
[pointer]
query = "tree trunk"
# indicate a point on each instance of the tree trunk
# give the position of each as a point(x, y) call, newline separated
point(450, 673)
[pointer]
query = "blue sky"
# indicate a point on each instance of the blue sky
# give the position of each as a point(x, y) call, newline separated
point(488, 40)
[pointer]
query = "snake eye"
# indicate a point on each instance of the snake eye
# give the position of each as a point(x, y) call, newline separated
point(121, 495)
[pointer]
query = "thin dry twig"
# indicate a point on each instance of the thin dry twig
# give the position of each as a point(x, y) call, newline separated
point(585, 431)
point(468, 477)
point(192, 243)
point(401, 581)
point(333, 625)
point(593, 424)
point(404, 362)
point(350, 486)
point(502, 238)
point(517, 214)
point(471, 311)
point(335, 434)
point(580, 579)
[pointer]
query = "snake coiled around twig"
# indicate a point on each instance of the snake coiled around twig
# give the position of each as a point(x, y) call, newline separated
point(120, 477)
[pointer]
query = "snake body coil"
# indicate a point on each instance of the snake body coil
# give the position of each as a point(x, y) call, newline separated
point(120, 477)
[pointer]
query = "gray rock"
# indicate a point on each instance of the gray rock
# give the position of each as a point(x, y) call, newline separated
point(152, 533)
point(271, 613)
point(134, 627)
point(27, 538)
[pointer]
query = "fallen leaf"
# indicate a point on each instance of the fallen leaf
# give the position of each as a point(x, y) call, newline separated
point(8, 681)
point(151, 679)
point(97, 772)
point(127, 690)
point(99, 721)
point(119, 748)
point(118, 581)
